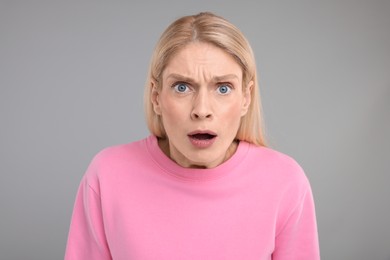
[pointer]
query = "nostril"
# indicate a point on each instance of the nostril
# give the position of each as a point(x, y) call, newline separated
point(201, 115)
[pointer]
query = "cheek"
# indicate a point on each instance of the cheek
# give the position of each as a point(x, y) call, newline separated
point(172, 111)
point(230, 118)
point(232, 110)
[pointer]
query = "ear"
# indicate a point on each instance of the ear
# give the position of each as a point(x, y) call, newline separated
point(155, 97)
point(247, 98)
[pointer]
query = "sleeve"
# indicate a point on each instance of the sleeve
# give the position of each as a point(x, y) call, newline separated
point(86, 238)
point(298, 238)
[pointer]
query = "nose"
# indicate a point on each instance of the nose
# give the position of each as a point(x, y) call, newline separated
point(201, 106)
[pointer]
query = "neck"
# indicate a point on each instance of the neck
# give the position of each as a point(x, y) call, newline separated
point(164, 145)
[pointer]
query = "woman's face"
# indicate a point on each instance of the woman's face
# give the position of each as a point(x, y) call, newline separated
point(201, 102)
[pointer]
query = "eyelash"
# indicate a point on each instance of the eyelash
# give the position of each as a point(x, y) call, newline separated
point(229, 86)
point(219, 85)
point(177, 84)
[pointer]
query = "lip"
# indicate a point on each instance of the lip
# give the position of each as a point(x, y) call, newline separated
point(202, 143)
point(202, 132)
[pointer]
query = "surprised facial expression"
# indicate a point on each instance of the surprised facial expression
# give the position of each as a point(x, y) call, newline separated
point(201, 102)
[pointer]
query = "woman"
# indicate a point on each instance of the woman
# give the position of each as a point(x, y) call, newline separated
point(203, 185)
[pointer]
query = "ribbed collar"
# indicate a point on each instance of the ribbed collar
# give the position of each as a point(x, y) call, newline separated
point(191, 174)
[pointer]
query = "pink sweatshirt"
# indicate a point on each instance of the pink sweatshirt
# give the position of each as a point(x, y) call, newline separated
point(134, 203)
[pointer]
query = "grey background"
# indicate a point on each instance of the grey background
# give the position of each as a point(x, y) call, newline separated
point(71, 83)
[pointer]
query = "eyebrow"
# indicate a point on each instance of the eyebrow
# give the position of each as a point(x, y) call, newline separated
point(222, 78)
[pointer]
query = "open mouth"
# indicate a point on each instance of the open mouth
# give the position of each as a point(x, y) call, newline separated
point(202, 136)
point(202, 139)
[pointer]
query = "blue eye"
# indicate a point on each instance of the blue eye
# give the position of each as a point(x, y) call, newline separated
point(181, 87)
point(224, 89)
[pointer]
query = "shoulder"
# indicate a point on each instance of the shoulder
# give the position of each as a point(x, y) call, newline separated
point(280, 175)
point(113, 159)
point(273, 159)
point(277, 166)
point(118, 152)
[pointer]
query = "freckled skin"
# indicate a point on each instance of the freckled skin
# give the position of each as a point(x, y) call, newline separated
point(201, 90)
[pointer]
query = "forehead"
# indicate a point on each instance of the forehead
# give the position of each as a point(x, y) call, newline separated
point(204, 58)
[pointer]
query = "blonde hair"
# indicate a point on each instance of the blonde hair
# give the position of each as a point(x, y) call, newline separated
point(210, 28)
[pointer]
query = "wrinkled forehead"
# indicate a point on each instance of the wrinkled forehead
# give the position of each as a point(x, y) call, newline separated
point(201, 59)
